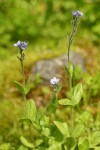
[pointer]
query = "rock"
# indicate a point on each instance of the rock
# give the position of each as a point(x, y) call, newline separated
point(50, 68)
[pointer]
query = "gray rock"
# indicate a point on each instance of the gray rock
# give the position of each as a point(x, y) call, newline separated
point(51, 67)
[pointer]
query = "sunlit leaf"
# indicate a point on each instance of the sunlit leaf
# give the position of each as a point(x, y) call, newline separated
point(27, 86)
point(22, 148)
point(65, 102)
point(71, 69)
point(83, 144)
point(54, 145)
point(45, 131)
point(26, 143)
point(94, 139)
point(78, 130)
point(20, 87)
point(63, 127)
point(84, 117)
point(44, 120)
point(76, 94)
point(30, 110)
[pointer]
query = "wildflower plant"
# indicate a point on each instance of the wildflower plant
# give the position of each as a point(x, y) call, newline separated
point(55, 133)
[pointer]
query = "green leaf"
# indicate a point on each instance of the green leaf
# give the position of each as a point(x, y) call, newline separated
point(79, 129)
point(83, 144)
point(71, 69)
point(30, 110)
point(57, 135)
point(67, 70)
point(5, 146)
point(45, 131)
point(84, 117)
point(63, 128)
point(71, 143)
point(26, 143)
point(97, 148)
point(65, 102)
point(44, 121)
point(27, 86)
point(54, 145)
point(94, 139)
point(38, 142)
point(20, 87)
point(52, 105)
point(22, 148)
point(76, 94)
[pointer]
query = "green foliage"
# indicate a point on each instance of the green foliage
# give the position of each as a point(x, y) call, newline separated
point(74, 96)
point(79, 129)
point(20, 88)
point(30, 111)
point(48, 19)
point(29, 20)
point(83, 144)
point(94, 139)
point(52, 106)
point(26, 143)
point(63, 128)
point(27, 86)
point(71, 143)
point(22, 148)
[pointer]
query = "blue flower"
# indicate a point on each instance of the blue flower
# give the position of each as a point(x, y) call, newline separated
point(21, 45)
point(54, 81)
point(77, 13)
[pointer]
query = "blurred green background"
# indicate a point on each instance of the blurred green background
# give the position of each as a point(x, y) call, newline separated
point(37, 20)
point(45, 25)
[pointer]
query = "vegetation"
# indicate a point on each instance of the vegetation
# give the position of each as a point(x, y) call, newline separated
point(45, 25)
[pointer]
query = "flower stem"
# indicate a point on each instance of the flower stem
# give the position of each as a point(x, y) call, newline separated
point(74, 24)
point(22, 67)
point(74, 27)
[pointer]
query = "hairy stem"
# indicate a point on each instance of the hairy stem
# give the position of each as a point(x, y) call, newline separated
point(22, 67)
point(74, 24)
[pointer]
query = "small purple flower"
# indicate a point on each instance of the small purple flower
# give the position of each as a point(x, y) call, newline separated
point(54, 81)
point(77, 13)
point(21, 45)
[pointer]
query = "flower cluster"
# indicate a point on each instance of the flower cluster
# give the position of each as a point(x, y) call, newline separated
point(77, 13)
point(21, 45)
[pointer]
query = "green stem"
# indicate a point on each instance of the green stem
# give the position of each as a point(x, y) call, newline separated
point(72, 121)
point(74, 24)
point(23, 75)
point(45, 109)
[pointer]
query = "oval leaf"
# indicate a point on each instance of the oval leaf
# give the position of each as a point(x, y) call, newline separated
point(30, 110)
point(27, 86)
point(84, 117)
point(78, 130)
point(95, 139)
point(65, 102)
point(63, 128)
point(20, 87)
point(76, 94)
point(83, 144)
point(22, 148)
